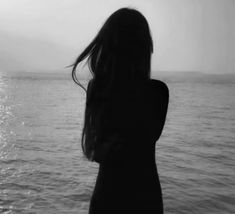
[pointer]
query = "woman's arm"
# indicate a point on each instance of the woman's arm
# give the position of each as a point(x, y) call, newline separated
point(111, 148)
point(160, 107)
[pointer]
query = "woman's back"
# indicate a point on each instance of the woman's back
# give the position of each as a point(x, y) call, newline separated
point(130, 176)
point(124, 115)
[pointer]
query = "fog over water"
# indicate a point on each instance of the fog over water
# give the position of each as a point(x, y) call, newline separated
point(188, 35)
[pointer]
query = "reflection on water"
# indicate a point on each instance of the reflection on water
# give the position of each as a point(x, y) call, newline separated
point(42, 169)
point(5, 112)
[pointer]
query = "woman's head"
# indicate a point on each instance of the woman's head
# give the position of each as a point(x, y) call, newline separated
point(119, 55)
point(121, 50)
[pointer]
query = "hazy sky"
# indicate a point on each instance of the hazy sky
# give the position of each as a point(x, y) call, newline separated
point(196, 35)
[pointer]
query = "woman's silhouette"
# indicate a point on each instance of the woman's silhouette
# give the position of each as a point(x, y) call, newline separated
point(124, 116)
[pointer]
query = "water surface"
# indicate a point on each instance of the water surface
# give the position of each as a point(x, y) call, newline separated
point(42, 169)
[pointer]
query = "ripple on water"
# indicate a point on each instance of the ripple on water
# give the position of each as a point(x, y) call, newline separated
point(43, 170)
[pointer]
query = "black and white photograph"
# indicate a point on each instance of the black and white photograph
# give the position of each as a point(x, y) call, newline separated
point(117, 106)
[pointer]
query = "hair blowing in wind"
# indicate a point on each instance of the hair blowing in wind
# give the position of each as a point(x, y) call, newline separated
point(118, 55)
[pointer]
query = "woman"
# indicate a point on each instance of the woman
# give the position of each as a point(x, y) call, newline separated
point(124, 116)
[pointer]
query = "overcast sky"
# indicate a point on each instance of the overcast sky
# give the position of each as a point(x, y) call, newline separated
point(189, 35)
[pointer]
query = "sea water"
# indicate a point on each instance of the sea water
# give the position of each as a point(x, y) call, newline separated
point(42, 169)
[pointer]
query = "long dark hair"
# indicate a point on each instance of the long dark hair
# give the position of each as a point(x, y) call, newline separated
point(119, 55)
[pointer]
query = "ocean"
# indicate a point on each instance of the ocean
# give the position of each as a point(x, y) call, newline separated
point(42, 169)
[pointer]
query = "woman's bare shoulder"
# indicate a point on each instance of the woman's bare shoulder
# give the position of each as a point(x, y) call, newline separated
point(159, 87)
point(159, 84)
